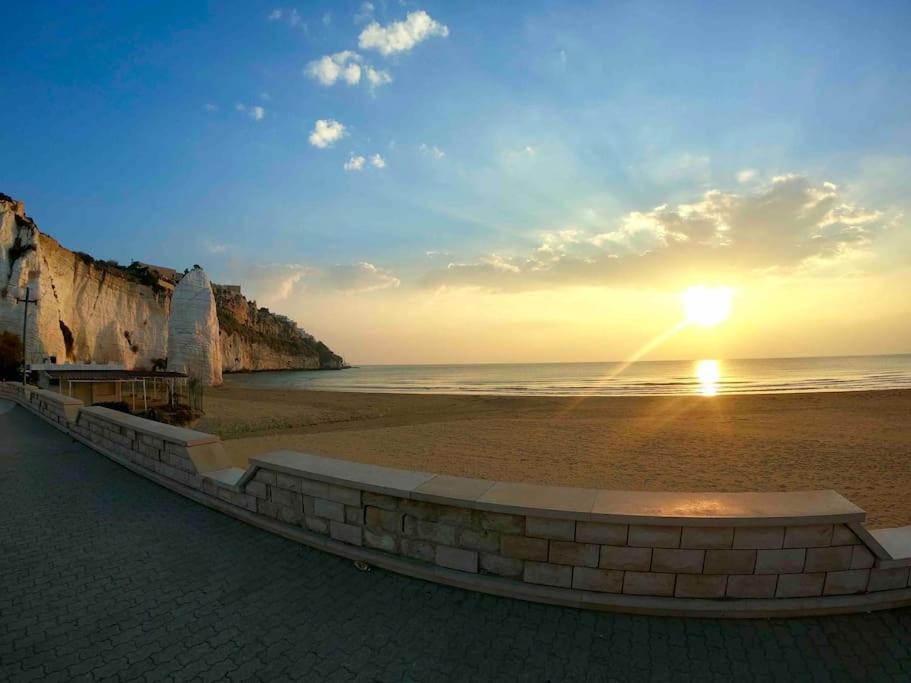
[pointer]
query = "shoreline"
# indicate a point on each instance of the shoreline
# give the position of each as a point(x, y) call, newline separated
point(855, 442)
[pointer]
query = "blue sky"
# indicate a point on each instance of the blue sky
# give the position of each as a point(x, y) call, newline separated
point(506, 127)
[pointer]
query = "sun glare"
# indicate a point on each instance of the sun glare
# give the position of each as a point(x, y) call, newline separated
point(707, 306)
point(708, 372)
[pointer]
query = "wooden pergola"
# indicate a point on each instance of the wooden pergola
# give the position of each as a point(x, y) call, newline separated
point(176, 383)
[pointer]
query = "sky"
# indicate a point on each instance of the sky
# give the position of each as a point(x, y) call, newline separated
point(436, 182)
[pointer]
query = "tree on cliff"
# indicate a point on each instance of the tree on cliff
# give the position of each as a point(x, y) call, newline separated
point(10, 355)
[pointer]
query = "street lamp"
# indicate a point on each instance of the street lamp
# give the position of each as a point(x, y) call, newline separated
point(26, 300)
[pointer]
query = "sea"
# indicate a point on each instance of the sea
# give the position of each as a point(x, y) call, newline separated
point(706, 377)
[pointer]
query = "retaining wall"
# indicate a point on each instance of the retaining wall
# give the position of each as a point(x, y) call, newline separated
point(704, 554)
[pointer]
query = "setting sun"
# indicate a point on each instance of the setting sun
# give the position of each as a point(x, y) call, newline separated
point(707, 306)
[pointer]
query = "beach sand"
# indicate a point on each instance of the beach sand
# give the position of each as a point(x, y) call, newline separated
point(857, 443)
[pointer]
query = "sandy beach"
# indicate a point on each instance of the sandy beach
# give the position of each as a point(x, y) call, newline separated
point(857, 443)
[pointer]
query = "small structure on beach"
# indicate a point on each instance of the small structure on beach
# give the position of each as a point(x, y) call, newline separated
point(111, 383)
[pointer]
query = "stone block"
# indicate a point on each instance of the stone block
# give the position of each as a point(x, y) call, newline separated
point(800, 585)
point(265, 476)
point(705, 537)
point(419, 550)
point(329, 509)
point(380, 541)
point(782, 561)
point(548, 574)
point(480, 540)
point(344, 495)
point(317, 489)
point(578, 554)
point(317, 524)
point(648, 583)
point(654, 536)
point(429, 531)
point(346, 533)
point(496, 521)
point(258, 489)
point(846, 582)
point(888, 579)
point(523, 548)
point(677, 561)
point(432, 512)
point(700, 586)
point(266, 508)
point(287, 482)
point(602, 534)
point(387, 520)
point(600, 580)
point(729, 561)
point(309, 505)
point(832, 559)
point(861, 557)
point(545, 527)
point(842, 535)
point(379, 500)
point(290, 515)
point(758, 537)
point(809, 536)
point(752, 586)
point(354, 515)
point(501, 566)
point(457, 558)
point(622, 557)
point(288, 499)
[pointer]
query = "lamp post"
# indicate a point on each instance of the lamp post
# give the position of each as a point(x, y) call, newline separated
point(26, 300)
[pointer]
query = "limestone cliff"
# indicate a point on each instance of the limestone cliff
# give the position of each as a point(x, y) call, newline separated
point(193, 341)
point(98, 311)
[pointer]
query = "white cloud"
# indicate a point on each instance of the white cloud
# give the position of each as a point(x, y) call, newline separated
point(265, 97)
point(327, 19)
point(361, 277)
point(326, 132)
point(277, 282)
point(788, 224)
point(257, 113)
point(355, 163)
point(432, 150)
point(240, 107)
point(746, 175)
point(400, 36)
point(377, 161)
point(365, 13)
point(377, 77)
point(345, 66)
point(211, 107)
point(275, 15)
point(291, 17)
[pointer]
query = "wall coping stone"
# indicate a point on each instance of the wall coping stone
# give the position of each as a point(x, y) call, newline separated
point(179, 435)
point(566, 502)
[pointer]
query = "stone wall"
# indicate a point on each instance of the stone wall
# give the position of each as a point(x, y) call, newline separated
point(787, 554)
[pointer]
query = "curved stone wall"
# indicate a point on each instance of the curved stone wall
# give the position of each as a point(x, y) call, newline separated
point(735, 554)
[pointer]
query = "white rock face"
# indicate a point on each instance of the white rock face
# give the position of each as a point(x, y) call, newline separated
point(193, 343)
point(84, 314)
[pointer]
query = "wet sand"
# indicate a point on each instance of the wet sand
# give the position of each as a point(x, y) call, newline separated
point(857, 443)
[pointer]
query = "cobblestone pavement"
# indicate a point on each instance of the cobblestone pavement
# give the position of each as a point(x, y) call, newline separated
point(107, 576)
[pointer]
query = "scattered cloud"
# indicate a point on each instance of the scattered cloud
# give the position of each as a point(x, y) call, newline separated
point(291, 17)
point(746, 175)
point(361, 277)
point(365, 13)
point(265, 97)
point(326, 132)
point(211, 107)
point(255, 112)
point(327, 19)
point(377, 161)
point(401, 36)
point(787, 224)
point(345, 66)
point(432, 150)
point(355, 163)
point(275, 283)
point(215, 247)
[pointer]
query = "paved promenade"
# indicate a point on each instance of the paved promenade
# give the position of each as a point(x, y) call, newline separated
point(107, 576)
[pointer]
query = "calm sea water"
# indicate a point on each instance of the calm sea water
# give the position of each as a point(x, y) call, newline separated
point(706, 377)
